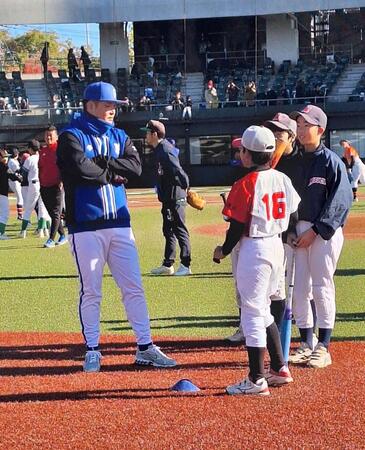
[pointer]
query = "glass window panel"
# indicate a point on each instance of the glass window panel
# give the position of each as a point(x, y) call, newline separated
point(210, 150)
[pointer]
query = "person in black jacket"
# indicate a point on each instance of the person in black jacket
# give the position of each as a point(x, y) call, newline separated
point(45, 58)
point(71, 63)
point(172, 185)
point(86, 61)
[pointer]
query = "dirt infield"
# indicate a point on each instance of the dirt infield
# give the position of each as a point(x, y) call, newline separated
point(354, 228)
point(46, 401)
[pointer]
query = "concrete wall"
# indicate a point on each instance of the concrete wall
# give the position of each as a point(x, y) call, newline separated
point(282, 38)
point(106, 11)
point(113, 46)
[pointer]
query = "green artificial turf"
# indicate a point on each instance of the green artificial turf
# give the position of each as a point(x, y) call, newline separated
point(39, 287)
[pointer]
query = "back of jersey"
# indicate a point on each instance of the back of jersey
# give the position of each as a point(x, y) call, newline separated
point(274, 199)
point(263, 200)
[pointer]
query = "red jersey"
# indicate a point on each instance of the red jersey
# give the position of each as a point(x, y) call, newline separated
point(264, 201)
point(49, 174)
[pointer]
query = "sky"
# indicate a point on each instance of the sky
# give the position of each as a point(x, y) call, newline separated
point(78, 33)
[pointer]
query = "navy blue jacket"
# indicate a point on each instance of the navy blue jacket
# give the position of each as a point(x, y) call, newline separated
point(172, 181)
point(321, 181)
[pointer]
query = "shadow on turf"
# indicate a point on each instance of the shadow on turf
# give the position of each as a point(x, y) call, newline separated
point(118, 394)
point(194, 275)
point(350, 317)
point(68, 370)
point(349, 272)
point(62, 352)
point(186, 322)
point(42, 277)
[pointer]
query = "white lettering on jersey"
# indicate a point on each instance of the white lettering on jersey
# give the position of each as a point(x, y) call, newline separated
point(317, 180)
point(274, 200)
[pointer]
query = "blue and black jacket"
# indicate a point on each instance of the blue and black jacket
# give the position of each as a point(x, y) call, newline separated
point(172, 182)
point(326, 196)
point(90, 154)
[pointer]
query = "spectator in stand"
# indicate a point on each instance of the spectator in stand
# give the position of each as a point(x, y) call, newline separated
point(14, 185)
point(187, 108)
point(51, 186)
point(250, 94)
point(86, 61)
point(203, 49)
point(211, 96)
point(72, 64)
point(300, 91)
point(232, 91)
point(163, 47)
point(271, 95)
point(144, 104)
point(127, 105)
point(177, 102)
point(2, 104)
point(21, 103)
point(285, 94)
point(45, 58)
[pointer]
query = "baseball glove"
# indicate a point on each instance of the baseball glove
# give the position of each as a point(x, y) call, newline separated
point(195, 200)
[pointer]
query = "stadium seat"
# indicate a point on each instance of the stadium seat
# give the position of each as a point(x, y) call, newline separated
point(105, 75)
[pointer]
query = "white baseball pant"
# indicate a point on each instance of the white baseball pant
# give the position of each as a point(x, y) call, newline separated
point(4, 209)
point(30, 200)
point(116, 248)
point(314, 270)
point(234, 259)
point(259, 269)
point(356, 172)
point(17, 189)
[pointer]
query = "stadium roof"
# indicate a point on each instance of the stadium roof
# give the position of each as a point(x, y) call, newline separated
point(104, 11)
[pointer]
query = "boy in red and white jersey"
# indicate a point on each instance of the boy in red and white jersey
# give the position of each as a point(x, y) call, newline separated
point(259, 207)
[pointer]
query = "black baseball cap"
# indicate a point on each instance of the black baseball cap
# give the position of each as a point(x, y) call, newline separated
point(34, 145)
point(155, 126)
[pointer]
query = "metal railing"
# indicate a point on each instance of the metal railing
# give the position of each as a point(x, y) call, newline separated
point(244, 56)
point(326, 52)
point(33, 65)
point(50, 114)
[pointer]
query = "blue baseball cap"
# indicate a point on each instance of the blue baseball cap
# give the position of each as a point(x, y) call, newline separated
point(101, 92)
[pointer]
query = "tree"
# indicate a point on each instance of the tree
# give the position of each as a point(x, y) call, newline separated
point(31, 43)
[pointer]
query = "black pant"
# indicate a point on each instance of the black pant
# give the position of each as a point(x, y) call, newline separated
point(52, 199)
point(173, 227)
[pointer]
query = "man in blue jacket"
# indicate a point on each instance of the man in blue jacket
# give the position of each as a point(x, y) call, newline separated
point(326, 198)
point(95, 160)
point(171, 185)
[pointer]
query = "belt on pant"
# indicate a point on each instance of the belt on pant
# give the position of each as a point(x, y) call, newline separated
point(35, 181)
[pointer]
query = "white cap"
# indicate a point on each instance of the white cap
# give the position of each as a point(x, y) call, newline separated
point(258, 139)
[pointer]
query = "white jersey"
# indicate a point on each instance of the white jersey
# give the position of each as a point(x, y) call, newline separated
point(263, 200)
point(13, 165)
point(31, 166)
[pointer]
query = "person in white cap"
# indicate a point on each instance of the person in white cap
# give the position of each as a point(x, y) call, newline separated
point(259, 207)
